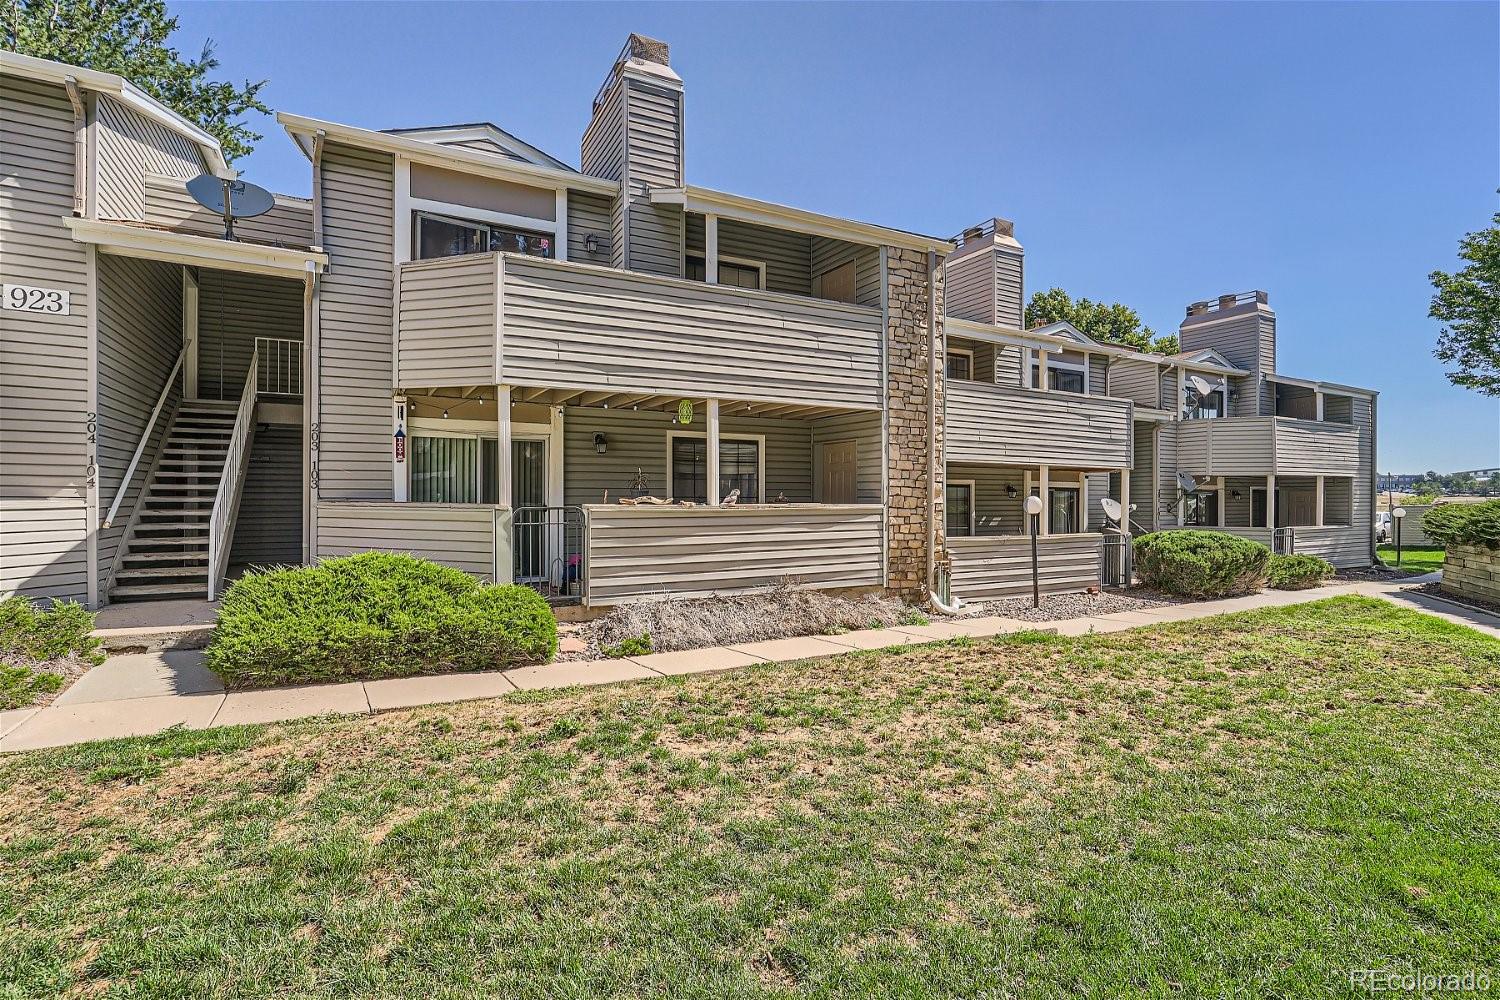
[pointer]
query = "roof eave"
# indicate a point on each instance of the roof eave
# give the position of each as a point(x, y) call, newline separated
point(706, 201)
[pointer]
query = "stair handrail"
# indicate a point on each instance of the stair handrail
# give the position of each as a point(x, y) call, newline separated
point(229, 479)
point(140, 448)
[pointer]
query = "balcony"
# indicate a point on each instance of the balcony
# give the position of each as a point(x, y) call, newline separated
point(1263, 446)
point(493, 319)
point(1009, 425)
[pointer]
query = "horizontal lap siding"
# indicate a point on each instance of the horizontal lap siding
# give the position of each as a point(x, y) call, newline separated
point(1342, 546)
point(999, 567)
point(653, 159)
point(637, 553)
point(168, 204)
point(140, 337)
point(828, 254)
point(357, 294)
point(1169, 460)
point(1305, 447)
point(1022, 426)
point(969, 288)
point(996, 512)
point(1142, 484)
point(573, 326)
point(1225, 447)
point(130, 147)
point(1362, 501)
point(787, 256)
point(864, 429)
point(637, 439)
point(44, 376)
point(589, 214)
point(448, 322)
point(1135, 380)
point(268, 529)
point(234, 309)
point(454, 535)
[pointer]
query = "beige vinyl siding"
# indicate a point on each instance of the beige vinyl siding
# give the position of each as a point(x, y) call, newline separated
point(1171, 395)
point(268, 530)
point(1247, 340)
point(1008, 363)
point(995, 511)
point(1030, 427)
point(969, 287)
point(357, 295)
point(603, 155)
point(1167, 465)
point(1306, 447)
point(130, 147)
point(234, 309)
point(140, 337)
point(1098, 365)
point(458, 535)
point(581, 327)
point(1342, 546)
point(1226, 447)
point(1009, 306)
point(167, 204)
point(864, 430)
point(787, 256)
point(653, 159)
point(984, 357)
point(44, 375)
point(636, 553)
point(827, 254)
point(1101, 484)
point(994, 567)
point(448, 321)
point(1362, 487)
point(1135, 380)
point(1142, 486)
point(637, 439)
point(589, 214)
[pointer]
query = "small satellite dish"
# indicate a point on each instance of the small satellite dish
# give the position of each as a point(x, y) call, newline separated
point(230, 199)
point(1187, 483)
point(1111, 508)
point(1200, 385)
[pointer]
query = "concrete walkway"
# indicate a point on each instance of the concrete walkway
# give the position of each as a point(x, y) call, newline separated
point(146, 693)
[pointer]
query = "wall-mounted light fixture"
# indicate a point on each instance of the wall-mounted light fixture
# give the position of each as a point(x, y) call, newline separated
point(591, 243)
point(1235, 494)
point(601, 443)
point(1010, 491)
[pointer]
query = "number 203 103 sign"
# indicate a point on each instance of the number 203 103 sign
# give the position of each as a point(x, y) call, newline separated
point(29, 298)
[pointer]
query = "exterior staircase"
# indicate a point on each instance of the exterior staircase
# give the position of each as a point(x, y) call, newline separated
point(166, 552)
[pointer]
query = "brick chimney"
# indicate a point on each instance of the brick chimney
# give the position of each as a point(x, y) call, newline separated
point(635, 136)
point(1242, 327)
point(984, 276)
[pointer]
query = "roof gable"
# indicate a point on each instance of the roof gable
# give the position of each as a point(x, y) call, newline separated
point(1207, 356)
point(483, 137)
point(1063, 330)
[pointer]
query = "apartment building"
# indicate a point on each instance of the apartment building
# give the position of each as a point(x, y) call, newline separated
point(467, 348)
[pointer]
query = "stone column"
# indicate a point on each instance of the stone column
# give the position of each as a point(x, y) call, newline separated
point(907, 458)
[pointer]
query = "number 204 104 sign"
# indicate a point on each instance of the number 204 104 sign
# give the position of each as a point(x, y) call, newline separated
point(29, 298)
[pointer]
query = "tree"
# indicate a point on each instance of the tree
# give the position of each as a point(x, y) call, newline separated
point(1468, 303)
point(130, 38)
point(1114, 323)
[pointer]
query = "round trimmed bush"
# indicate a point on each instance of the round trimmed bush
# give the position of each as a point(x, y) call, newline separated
point(1473, 524)
point(1297, 572)
point(1192, 563)
point(374, 615)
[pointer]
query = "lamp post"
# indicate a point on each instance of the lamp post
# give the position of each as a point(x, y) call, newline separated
point(1398, 515)
point(1034, 514)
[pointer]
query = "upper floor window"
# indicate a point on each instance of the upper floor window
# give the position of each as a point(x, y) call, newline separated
point(1206, 407)
point(440, 236)
point(960, 364)
point(732, 272)
point(1061, 377)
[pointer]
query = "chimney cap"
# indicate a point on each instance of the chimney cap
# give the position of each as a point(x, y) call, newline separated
point(648, 49)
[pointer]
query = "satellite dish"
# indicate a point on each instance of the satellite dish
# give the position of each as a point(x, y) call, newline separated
point(1187, 483)
point(1111, 508)
point(230, 199)
point(1200, 385)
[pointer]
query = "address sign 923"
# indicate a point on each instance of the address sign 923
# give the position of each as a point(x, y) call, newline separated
point(29, 298)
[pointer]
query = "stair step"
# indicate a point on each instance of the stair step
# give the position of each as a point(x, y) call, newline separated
point(196, 541)
point(160, 590)
point(198, 556)
point(173, 524)
point(212, 474)
point(152, 571)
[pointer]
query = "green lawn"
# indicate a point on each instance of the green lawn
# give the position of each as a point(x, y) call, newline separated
point(1250, 805)
point(20, 686)
point(1424, 558)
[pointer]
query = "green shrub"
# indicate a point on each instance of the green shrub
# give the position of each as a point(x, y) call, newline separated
point(43, 634)
point(632, 645)
point(370, 616)
point(1475, 524)
point(1297, 572)
point(1201, 564)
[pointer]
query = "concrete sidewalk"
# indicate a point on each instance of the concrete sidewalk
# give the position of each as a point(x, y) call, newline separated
point(142, 694)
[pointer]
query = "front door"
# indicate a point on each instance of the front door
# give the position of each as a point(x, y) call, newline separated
point(838, 464)
point(528, 485)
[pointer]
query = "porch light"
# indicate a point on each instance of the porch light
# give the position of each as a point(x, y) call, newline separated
point(601, 443)
point(445, 414)
point(1010, 491)
point(591, 243)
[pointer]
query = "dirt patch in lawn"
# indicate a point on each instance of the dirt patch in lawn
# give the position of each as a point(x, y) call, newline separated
point(28, 683)
point(1060, 607)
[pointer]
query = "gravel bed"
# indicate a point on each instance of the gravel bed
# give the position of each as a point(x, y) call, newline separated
point(1477, 603)
point(1060, 607)
point(1377, 573)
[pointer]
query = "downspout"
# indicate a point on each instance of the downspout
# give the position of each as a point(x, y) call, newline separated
point(1374, 478)
point(952, 606)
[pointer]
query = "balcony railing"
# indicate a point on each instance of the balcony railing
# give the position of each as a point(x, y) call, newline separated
point(280, 366)
point(1262, 446)
point(486, 319)
point(1015, 426)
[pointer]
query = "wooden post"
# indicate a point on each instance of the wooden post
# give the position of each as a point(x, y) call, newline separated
point(400, 443)
point(1271, 506)
point(712, 451)
point(1125, 500)
point(1318, 396)
point(1041, 489)
point(1319, 521)
point(502, 450)
point(711, 249)
point(1041, 383)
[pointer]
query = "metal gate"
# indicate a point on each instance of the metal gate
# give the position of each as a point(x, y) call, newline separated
point(547, 551)
point(1284, 541)
point(1117, 560)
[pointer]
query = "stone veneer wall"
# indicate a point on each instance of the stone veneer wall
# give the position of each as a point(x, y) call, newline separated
point(1470, 571)
point(907, 413)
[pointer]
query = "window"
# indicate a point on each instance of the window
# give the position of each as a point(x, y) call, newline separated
point(1061, 377)
point(1201, 509)
point(1207, 407)
point(958, 506)
point(438, 236)
point(739, 468)
point(960, 364)
point(445, 470)
point(732, 271)
point(1062, 512)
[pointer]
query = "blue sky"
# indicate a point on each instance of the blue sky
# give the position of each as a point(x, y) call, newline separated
point(1332, 154)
